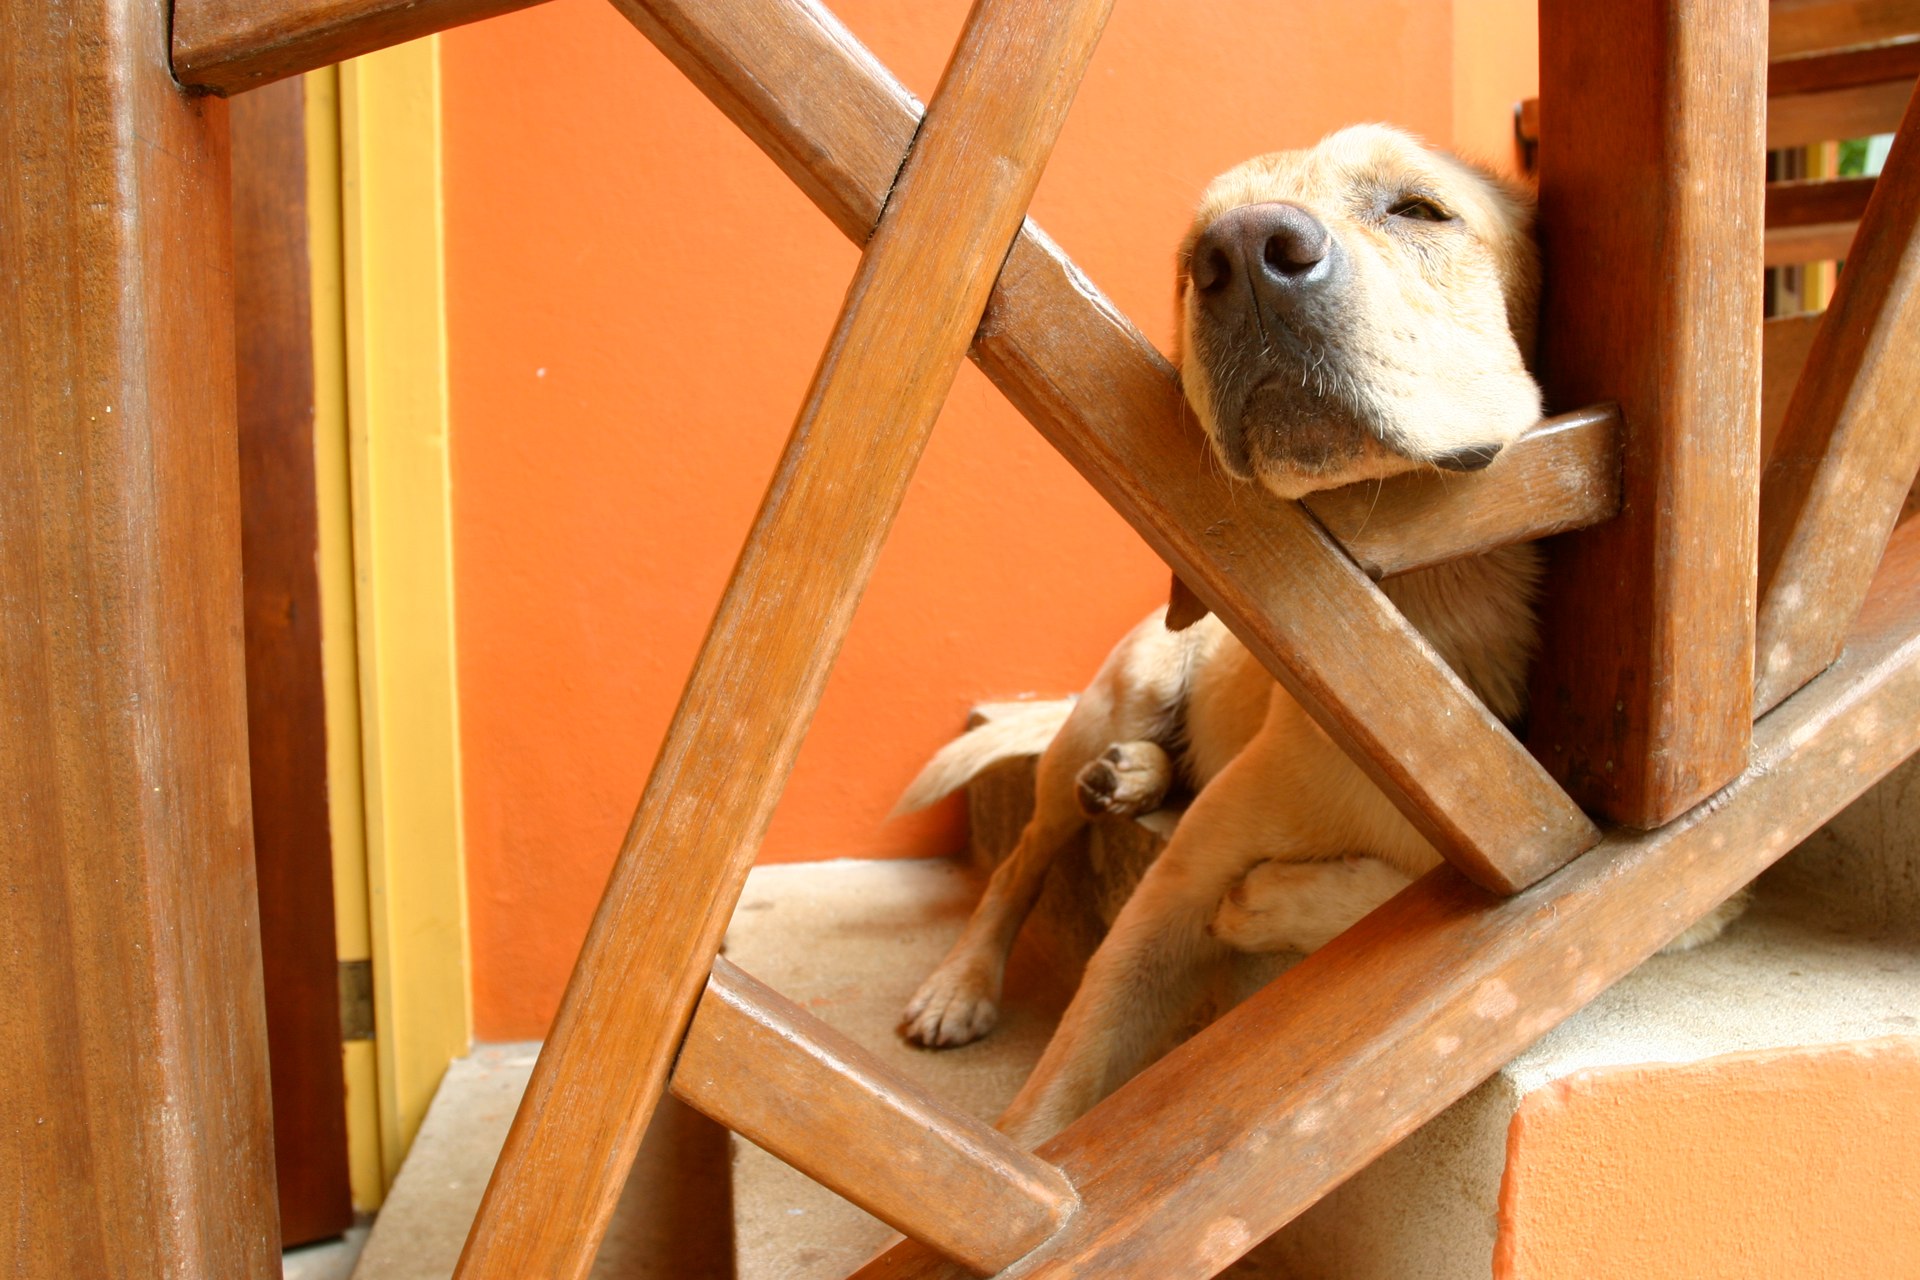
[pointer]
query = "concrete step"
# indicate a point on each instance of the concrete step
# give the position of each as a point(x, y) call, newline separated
point(1747, 1109)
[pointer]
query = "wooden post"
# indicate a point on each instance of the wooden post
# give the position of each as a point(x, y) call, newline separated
point(135, 1135)
point(1651, 194)
point(286, 688)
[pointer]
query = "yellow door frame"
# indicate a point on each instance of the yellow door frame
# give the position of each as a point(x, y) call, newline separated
point(386, 549)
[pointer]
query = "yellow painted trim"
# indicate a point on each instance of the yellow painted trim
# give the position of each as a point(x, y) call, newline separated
point(403, 561)
point(338, 637)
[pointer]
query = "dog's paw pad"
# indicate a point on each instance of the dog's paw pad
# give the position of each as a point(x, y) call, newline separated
point(950, 1010)
point(1129, 779)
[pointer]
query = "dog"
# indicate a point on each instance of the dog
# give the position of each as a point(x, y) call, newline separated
point(1348, 312)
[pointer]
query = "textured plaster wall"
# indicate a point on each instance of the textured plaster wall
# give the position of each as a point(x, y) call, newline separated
point(636, 301)
point(1788, 1163)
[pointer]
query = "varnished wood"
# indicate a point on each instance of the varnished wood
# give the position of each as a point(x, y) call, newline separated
point(1846, 93)
point(1811, 242)
point(1338, 1059)
point(1846, 68)
point(1564, 474)
point(1796, 27)
point(1813, 220)
point(1850, 442)
point(909, 316)
point(1835, 93)
point(1095, 387)
point(1784, 343)
point(228, 46)
point(773, 1073)
point(286, 692)
point(137, 1136)
point(1859, 111)
point(1650, 221)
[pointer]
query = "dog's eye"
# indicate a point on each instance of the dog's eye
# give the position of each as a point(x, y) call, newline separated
point(1420, 209)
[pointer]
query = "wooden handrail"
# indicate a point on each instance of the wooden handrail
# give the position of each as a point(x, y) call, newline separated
point(1849, 444)
point(1822, 26)
point(773, 1073)
point(1817, 97)
point(1806, 202)
point(1845, 68)
point(1813, 219)
point(1374, 1034)
point(910, 313)
point(1088, 380)
point(1563, 474)
point(228, 46)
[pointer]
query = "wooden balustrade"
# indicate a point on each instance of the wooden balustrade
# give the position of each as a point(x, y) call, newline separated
point(1643, 703)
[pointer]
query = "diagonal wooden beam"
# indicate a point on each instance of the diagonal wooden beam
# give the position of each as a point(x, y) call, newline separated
point(1850, 443)
point(773, 1073)
point(1231, 1136)
point(798, 83)
point(229, 46)
point(909, 316)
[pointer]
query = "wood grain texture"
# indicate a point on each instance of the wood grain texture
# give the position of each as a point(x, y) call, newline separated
point(286, 688)
point(1813, 220)
point(1797, 27)
point(1846, 68)
point(136, 1138)
point(229, 46)
point(1563, 474)
point(1784, 343)
point(1651, 190)
point(1850, 442)
point(909, 316)
point(778, 1076)
point(1811, 242)
point(1097, 389)
point(1858, 111)
point(1813, 201)
point(1333, 1062)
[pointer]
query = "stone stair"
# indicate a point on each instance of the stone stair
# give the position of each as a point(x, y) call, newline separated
point(1747, 1109)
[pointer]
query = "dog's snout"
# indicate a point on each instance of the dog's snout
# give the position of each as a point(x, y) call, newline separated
point(1275, 246)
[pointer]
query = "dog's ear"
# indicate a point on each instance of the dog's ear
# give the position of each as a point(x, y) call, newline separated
point(1183, 607)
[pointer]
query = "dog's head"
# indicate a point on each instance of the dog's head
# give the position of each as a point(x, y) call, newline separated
point(1358, 309)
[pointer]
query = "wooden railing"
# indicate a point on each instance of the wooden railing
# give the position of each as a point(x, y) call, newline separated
point(1642, 707)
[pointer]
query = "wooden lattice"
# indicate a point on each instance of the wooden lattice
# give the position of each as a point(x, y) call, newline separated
point(1650, 127)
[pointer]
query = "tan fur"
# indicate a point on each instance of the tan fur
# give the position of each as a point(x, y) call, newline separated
point(1421, 354)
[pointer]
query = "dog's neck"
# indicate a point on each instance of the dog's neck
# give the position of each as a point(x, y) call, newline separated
point(1479, 614)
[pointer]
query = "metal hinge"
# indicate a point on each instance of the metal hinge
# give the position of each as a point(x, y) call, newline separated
point(356, 999)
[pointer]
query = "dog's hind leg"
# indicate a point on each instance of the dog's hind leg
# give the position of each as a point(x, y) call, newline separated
point(1302, 906)
point(1129, 703)
point(960, 1001)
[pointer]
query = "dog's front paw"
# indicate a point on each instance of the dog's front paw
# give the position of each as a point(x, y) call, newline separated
point(956, 1005)
point(1129, 779)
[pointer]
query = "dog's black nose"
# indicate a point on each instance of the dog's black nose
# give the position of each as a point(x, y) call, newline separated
point(1275, 246)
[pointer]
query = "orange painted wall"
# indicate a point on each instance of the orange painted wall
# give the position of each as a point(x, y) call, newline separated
point(1791, 1165)
point(636, 300)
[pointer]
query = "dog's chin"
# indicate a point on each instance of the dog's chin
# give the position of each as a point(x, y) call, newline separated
point(1294, 445)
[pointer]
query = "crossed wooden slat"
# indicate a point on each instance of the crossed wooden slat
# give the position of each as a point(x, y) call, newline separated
point(1339, 1058)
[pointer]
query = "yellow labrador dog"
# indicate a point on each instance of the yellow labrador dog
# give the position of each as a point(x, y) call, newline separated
point(1348, 312)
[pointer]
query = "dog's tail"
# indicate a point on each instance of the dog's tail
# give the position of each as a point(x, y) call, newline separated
point(1020, 729)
